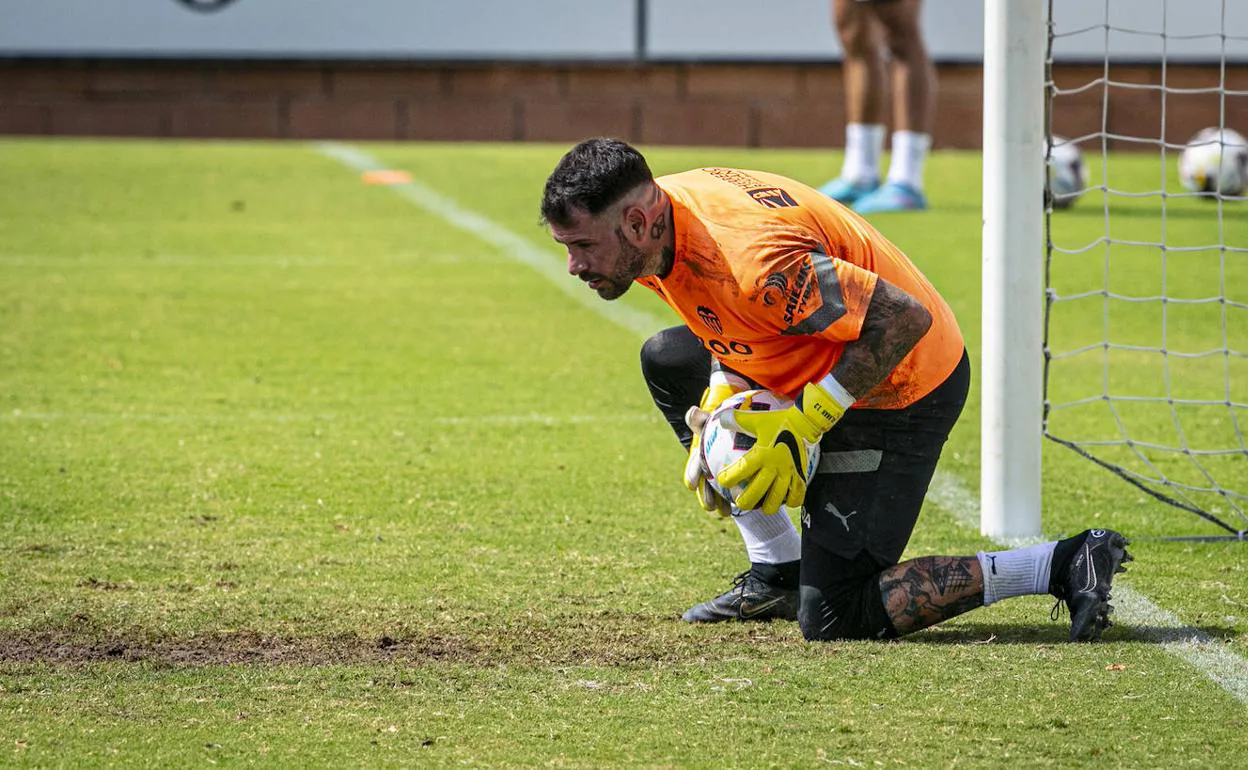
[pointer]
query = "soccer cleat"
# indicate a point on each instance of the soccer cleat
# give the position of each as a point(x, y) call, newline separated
point(847, 191)
point(750, 598)
point(1085, 581)
point(892, 196)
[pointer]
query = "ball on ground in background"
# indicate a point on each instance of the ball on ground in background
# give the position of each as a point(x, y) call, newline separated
point(1215, 161)
point(722, 445)
point(1068, 174)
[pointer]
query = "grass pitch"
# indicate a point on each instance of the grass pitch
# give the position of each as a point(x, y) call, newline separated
point(293, 472)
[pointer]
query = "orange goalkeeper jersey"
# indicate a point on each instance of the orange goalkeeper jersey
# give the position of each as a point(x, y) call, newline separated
point(775, 278)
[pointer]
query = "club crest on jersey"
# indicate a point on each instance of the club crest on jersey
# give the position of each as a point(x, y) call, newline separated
point(772, 197)
point(710, 319)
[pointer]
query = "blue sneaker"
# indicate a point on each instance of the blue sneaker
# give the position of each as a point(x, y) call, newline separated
point(847, 191)
point(892, 196)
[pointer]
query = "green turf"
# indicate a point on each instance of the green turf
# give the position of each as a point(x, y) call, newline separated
point(295, 473)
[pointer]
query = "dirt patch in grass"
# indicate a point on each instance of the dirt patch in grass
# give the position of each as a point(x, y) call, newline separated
point(226, 648)
point(593, 641)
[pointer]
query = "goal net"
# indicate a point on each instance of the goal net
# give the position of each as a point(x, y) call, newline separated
point(1146, 321)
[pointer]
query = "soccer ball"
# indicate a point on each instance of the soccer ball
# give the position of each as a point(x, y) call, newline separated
point(1215, 161)
point(723, 445)
point(1068, 176)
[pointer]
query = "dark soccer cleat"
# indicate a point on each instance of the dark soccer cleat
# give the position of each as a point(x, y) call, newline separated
point(750, 598)
point(1085, 581)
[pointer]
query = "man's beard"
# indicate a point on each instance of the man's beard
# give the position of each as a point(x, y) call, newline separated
point(632, 263)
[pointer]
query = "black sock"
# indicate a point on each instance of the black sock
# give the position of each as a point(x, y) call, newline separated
point(1062, 554)
point(783, 575)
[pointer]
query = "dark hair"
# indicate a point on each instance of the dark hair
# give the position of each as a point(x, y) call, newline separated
point(590, 177)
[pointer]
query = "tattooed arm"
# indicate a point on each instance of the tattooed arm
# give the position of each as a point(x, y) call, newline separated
point(894, 324)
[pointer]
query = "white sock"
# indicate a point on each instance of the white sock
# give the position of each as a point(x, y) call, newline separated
point(909, 154)
point(769, 539)
point(864, 143)
point(1019, 572)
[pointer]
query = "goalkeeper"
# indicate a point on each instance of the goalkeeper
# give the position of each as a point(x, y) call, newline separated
point(781, 287)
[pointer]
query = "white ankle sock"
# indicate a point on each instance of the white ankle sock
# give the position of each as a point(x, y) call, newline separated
point(769, 539)
point(864, 143)
point(1019, 572)
point(909, 154)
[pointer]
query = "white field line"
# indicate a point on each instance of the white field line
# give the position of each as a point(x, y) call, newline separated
point(1146, 619)
point(512, 245)
point(112, 261)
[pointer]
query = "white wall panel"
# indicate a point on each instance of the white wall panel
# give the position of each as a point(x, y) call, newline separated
point(792, 29)
point(779, 30)
point(489, 29)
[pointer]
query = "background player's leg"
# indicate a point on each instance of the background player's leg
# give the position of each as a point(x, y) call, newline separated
point(913, 74)
point(914, 95)
point(864, 78)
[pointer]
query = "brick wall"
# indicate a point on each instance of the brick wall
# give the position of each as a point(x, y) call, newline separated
point(756, 105)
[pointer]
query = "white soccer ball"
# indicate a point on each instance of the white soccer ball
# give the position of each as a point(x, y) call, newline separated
point(1215, 161)
point(1068, 174)
point(722, 445)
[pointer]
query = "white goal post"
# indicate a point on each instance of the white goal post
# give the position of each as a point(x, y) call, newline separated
point(1118, 330)
point(1015, 43)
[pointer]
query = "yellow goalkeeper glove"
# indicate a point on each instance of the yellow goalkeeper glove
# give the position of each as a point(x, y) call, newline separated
point(695, 478)
point(775, 468)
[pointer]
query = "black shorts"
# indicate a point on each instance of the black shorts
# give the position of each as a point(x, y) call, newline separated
point(874, 471)
point(862, 504)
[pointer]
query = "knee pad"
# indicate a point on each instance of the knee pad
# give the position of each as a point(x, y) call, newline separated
point(676, 368)
point(848, 611)
point(674, 352)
